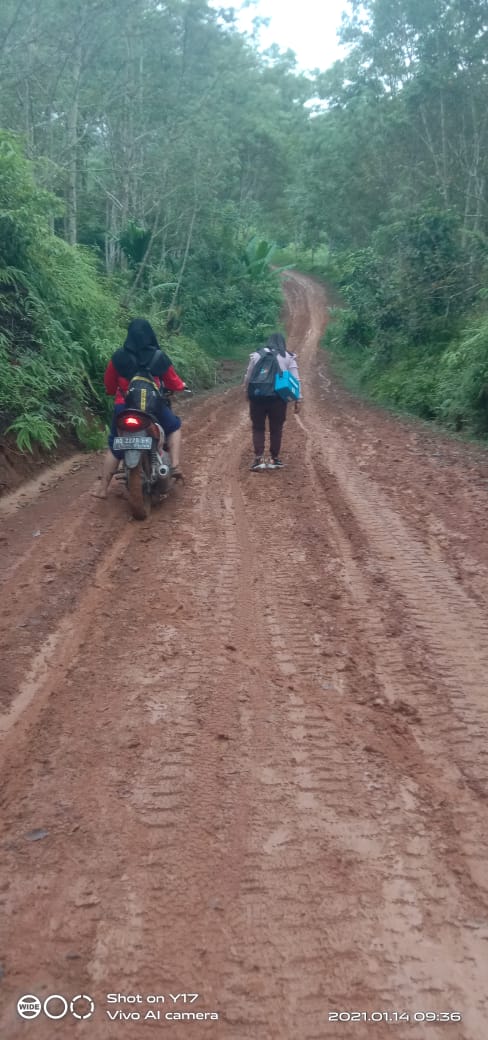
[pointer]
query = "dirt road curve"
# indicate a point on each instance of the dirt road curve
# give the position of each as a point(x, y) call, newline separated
point(255, 729)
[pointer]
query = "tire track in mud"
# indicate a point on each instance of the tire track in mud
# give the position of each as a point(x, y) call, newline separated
point(63, 558)
point(447, 621)
point(183, 794)
point(449, 628)
point(359, 532)
point(332, 844)
point(446, 832)
point(50, 665)
point(234, 612)
point(241, 769)
point(148, 792)
point(328, 759)
point(305, 769)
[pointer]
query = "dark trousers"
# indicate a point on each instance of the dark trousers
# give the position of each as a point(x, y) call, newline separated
point(275, 409)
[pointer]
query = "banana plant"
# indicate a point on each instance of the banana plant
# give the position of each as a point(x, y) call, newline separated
point(257, 259)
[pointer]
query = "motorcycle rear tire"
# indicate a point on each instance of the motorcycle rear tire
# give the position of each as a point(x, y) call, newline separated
point(139, 501)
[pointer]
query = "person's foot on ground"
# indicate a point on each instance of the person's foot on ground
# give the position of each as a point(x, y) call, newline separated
point(258, 463)
point(177, 474)
point(275, 463)
point(100, 493)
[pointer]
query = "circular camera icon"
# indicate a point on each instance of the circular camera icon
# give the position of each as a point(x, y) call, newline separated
point(82, 1006)
point(29, 1006)
point(60, 1004)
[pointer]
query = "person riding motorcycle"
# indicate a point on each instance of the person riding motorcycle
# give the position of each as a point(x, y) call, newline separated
point(138, 351)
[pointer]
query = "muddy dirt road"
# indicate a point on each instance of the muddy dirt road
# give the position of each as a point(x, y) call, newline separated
point(255, 730)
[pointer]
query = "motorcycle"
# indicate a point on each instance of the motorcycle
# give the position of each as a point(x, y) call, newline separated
point(146, 466)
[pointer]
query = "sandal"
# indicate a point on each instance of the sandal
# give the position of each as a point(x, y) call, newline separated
point(177, 474)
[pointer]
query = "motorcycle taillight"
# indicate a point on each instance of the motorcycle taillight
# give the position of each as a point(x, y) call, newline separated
point(133, 422)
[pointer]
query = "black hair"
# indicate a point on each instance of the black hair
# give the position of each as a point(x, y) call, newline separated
point(277, 343)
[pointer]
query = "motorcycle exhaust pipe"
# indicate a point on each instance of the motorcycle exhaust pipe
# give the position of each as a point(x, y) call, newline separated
point(163, 470)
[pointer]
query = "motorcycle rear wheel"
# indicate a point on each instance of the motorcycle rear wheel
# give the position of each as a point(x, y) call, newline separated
point(139, 500)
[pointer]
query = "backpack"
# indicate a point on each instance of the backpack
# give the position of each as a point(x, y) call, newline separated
point(263, 376)
point(144, 393)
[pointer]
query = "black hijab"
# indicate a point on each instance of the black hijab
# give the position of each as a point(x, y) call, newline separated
point(140, 337)
point(138, 351)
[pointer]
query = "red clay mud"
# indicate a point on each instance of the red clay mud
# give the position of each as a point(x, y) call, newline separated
point(255, 731)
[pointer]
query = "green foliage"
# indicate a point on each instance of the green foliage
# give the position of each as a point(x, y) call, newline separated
point(164, 143)
point(318, 261)
point(33, 428)
point(233, 317)
point(191, 362)
point(449, 385)
point(161, 140)
point(134, 241)
point(61, 320)
point(461, 396)
point(58, 320)
point(91, 435)
point(257, 258)
point(393, 178)
point(230, 297)
point(408, 384)
point(401, 330)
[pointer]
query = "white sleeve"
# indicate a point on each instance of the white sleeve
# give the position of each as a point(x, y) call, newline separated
point(292, 365)
point(252, 361)
point(293, 369)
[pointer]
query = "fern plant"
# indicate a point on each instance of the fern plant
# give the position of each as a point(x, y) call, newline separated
point(32, 429)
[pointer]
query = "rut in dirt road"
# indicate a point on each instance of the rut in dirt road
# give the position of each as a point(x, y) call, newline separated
point(255, 730)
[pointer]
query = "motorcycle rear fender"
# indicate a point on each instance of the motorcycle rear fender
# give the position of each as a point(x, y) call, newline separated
point(131, 458)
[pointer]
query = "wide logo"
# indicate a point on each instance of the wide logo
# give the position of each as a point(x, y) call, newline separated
point(56, 1006)
point(29, 1006)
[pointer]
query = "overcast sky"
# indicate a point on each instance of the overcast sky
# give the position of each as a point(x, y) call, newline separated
point(307, 26)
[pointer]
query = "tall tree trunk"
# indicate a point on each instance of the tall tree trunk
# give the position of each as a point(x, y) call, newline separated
point(445, 165)
point(28, 113)
point(145, 259)
point(72, 134)
point(185, 256)
point(15, 18)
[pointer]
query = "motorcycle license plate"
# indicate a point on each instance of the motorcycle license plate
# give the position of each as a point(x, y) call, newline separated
point(136, 442)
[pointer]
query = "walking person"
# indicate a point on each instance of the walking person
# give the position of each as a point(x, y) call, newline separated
point(267, 404)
